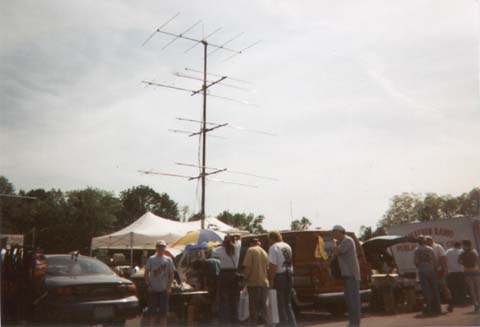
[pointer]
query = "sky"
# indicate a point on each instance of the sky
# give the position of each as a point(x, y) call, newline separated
point(367, 99)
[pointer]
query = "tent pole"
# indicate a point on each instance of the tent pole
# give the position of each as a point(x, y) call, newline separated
point(131, 250)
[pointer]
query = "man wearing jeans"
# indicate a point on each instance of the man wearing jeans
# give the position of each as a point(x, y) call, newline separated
point(346, 253)
point(159, 271)
point(425, 261)
point(281, 277)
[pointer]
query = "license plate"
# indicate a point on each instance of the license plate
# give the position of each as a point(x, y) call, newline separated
point(103, 312)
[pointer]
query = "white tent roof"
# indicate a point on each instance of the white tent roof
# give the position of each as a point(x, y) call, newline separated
point(144, 233)
point(214, 224)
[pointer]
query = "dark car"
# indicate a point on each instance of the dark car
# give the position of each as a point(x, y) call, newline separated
point(84, 289)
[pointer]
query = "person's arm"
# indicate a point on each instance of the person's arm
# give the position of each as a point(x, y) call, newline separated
point(415, 258)
point(247, 264)
point(171, 273)
point(343, 247)
point(444, 264)
point(272, 270)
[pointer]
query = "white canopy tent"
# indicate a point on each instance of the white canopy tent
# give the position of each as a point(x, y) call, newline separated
point(215, 224)
point(143, 233)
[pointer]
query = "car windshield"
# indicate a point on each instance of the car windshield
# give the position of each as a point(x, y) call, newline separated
point(67, 265)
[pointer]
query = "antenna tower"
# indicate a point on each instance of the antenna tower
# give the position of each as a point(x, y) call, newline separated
point(205, 86)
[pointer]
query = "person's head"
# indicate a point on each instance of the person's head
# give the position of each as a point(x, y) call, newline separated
point(457, 245)
point(428, 240)
point(421, 240)
point(236, 237)
point(338, 232)
point(274, 237)
point(161, 246)
point(467, 244)
point(254, 242)
point(228, 244)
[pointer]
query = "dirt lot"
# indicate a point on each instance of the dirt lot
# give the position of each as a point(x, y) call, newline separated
point(460, 317)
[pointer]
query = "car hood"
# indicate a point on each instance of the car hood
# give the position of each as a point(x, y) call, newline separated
point(60, 281)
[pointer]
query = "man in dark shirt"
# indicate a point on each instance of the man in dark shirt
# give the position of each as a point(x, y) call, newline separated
point(426, 266)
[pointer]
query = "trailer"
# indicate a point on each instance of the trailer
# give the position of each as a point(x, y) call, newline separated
point(445, 232)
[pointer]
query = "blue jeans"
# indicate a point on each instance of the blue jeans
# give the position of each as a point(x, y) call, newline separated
point(352, 299)
point(283, 284)
point(430, 290)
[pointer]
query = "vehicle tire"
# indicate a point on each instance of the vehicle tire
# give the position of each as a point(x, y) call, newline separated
point(336, 309)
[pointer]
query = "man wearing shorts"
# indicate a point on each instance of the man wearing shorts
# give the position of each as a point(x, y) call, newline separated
point(159, 271)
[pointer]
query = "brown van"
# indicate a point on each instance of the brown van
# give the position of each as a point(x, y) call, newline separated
point(313, 281)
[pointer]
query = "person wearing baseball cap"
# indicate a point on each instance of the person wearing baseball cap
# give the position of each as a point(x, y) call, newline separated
point(159, 273)
point(424, 259)
point(346, 252)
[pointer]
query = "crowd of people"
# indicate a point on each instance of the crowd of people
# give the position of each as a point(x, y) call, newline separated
point(225, 276)
point(226, 272)
point(259, 273)
point(447, 275)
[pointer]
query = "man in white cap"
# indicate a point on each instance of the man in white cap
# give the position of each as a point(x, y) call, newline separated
point(346, 252)
point(159, 271)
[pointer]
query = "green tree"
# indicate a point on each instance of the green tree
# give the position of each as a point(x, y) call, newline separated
point(92, 212)
point(5, 186)
point(302, 224)
point(138, 200)
point(7, 205)
point(410, 207)
point(242, 221)
point(404, 208)
point(365, 233)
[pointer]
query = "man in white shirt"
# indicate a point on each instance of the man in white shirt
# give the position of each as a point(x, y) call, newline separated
point(442, 270)
point(159, 270)
point(455, 277)
point(280, 273)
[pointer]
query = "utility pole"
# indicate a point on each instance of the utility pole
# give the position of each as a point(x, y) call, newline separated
point(204, 131)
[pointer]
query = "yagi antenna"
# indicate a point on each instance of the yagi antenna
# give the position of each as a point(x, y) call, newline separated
point(163, 25)
point(179, 36)
point(206, 37)
point(200, 79)
point(216, 75)
point(193, 92)
point(205, 91)
point(229, 171)
point(229, 125)
point(194, 133)
point(146, 172)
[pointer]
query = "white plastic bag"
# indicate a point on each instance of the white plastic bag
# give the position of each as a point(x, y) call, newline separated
point(272, 308)
point(243, 311)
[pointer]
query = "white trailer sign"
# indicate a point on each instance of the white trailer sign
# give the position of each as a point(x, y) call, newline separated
point(444, 232)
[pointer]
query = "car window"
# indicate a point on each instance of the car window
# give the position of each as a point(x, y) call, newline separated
point(72, 266)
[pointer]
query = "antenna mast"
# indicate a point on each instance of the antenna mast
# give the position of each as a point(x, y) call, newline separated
point(204, 88)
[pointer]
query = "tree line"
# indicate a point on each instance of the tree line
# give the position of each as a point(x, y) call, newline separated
point(58, 221)
point(414, 207)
